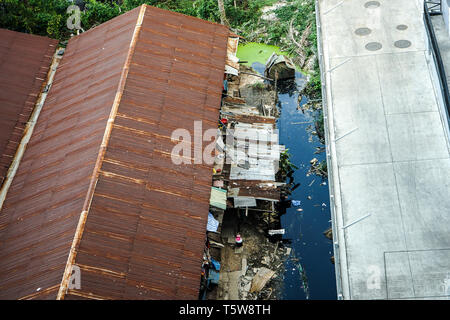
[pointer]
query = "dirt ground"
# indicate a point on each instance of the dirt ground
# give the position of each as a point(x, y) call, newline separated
point(240, 265)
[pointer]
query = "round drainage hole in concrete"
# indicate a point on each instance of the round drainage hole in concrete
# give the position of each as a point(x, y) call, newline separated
point(363, 31)
point(402, 27)
point(402, 44)
point(373, 46)
point(372, 4)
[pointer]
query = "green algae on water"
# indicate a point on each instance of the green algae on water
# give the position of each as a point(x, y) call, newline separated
point(257, 52)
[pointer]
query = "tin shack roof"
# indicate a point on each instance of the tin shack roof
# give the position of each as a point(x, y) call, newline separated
point(24, 63)
point(97, 188)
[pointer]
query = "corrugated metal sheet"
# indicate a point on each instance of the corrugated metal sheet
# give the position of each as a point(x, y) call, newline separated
point(42, 207)
point(24, 64)
point(144, 233)
point(255, 152)
point(258, 189)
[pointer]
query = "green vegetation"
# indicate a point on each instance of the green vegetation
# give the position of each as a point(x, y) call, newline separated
point(259, 85)
point(314, 87)
point(287, 168)
point(320, 126)
point(276, 32)
point(49, 18)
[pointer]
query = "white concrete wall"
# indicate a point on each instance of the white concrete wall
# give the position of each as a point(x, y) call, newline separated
point(445, 11)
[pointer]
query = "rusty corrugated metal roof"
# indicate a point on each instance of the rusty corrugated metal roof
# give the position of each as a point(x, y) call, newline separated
point(109, 194)
point(24, 64)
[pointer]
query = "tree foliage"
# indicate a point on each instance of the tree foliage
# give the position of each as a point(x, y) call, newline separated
point(42, 17)
point(49, 18)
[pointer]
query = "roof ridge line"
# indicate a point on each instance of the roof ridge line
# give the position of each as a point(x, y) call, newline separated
point(95, 174)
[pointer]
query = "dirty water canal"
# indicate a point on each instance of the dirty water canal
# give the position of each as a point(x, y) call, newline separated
point(309, 272)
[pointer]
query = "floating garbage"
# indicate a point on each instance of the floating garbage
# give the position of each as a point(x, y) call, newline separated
point(328, 233)
point(296, 203)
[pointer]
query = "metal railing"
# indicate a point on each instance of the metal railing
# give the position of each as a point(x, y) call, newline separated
point(433, 7)
point(435, 52)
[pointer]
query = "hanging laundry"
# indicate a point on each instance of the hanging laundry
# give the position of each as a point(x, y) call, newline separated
point(213, 224)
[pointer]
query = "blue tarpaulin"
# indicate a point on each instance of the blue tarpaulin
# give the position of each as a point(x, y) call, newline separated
point(216, 264)
point(214, 276)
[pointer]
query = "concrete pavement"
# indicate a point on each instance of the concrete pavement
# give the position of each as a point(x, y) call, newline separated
point(388, 151)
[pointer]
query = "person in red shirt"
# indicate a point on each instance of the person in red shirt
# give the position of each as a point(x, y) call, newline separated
point(238, 240)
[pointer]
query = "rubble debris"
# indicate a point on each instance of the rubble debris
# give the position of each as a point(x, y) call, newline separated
point(265, 260)
point(261, 278)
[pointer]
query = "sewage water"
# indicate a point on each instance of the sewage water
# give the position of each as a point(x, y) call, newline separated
point(309, 272)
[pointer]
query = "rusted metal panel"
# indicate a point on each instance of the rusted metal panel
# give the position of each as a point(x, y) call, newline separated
point(146, 226)
point(250, 118)
point(43, 205)
point(259, 193)
point(24, 64)
point(144, 232)
point(232, 48)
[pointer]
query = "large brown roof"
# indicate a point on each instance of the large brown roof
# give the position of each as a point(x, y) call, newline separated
point(24, 63)
point(104, 194)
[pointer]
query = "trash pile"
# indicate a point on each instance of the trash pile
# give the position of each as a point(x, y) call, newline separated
point(264, 275)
